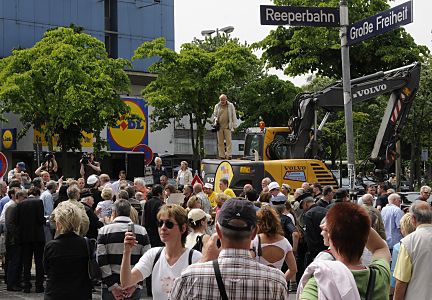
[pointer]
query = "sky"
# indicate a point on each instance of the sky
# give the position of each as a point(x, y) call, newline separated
point(193, 16)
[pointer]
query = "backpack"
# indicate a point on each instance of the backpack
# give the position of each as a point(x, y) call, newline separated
point(199, 243)
point(93, 269)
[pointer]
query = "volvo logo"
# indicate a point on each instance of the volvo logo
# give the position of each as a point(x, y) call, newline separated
point(370, 90)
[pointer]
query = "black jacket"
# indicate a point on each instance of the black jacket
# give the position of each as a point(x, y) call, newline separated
point(65, 263)
point(30, 221)
point(312, 220)
point(151, 208)
point(94, 223)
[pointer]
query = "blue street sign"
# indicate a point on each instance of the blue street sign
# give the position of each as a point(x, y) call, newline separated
point(380, 23)
point(299, 16)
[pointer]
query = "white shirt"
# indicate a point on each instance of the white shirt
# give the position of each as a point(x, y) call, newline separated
point(3, 213)
point(163, 274)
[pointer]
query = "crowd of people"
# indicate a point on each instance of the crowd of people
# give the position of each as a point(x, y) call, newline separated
point(187, 241)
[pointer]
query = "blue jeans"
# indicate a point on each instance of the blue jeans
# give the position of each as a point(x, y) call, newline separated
point(107, 295)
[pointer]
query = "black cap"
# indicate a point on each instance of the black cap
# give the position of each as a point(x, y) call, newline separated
point(278, 200)
point(85, 193)
point(237, 209)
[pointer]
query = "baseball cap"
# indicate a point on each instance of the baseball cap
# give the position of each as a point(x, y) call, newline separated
point(197, 214)
point(273, 185)
point(92, 179)
point(22, 165)
point(208, 185)
point(237, 209)
point(280, 199)
point(85, 193)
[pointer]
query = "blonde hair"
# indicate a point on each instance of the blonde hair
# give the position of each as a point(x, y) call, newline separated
point(406, 224)
point(221, 198)
point(68, 216)
point(179, 214)
point(193, 201)
point(107, 193)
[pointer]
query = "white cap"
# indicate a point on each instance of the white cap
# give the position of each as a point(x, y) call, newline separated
point(273, 185)
point(92, 179)
point(208, 185)
point(197, 214)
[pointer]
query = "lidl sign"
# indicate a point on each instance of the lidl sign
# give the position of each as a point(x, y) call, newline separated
point(9, 137)
point(129, 133)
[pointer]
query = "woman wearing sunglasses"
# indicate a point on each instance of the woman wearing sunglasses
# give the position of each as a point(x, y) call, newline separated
point(165, 264)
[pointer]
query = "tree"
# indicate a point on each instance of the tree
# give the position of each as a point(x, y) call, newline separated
point(299, 50)
point(267, 98)
point(190, 82)
point(417, 132)
point(65, 84)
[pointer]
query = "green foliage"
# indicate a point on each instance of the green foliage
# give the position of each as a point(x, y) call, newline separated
point(417, 133)
point(65, 84)
point(267, 98)
point(190, 82)
point(299, 50)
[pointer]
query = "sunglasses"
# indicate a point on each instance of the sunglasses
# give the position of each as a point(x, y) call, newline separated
point(168, 224)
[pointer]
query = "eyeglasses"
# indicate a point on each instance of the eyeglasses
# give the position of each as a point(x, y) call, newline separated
point(168, 224)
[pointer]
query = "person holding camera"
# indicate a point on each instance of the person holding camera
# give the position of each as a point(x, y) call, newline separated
point(20, 168)
point(89, 166)
point(224, 121)
point(49, 165)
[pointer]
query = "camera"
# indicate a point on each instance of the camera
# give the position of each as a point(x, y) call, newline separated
point(49, 156)
point(215, 127)
point(84, 159)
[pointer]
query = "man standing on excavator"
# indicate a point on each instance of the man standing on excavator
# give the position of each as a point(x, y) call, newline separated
point(224, 121)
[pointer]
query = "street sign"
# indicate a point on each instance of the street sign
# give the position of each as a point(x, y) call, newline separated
point(299, 16)
point(380, 23)
point(3, 164)
point(196, 179)
point(148, 153)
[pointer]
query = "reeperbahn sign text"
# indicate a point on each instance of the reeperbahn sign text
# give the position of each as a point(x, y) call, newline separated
point(380, 23)
point(299, 16)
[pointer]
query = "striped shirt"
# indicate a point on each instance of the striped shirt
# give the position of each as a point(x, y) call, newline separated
point(110, 248)
point(243, 277)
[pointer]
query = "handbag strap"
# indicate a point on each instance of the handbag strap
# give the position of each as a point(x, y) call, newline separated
point(88, 247)
point(371, 284)
point(220, 283)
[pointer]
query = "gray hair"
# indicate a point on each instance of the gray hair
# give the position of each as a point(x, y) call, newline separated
point(122, 207)
point(73, 192)
point(158, 159)
point(367, 199)
point(197, 188)
point(235, 235)
point(393, 197)
point(139, 181)
point(51, 185)
point(422, 212)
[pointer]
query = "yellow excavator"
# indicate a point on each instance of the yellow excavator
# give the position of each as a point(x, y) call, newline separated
point(292, 154)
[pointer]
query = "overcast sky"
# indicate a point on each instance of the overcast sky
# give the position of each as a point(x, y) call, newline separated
point(193, 16)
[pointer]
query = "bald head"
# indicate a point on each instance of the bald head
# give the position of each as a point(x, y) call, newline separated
point(247, 187)
point(421, 212)
point(367, 199)
point(197, 188)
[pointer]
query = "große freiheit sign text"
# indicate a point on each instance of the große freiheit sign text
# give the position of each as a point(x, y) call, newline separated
point(380, 23)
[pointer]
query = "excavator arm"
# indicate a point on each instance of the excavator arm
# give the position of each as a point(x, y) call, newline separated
point(402, 85)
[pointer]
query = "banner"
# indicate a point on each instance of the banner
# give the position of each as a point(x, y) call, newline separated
point(130, 133)
point(9, 138)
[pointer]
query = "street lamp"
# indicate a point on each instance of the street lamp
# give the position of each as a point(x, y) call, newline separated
point(226, 30)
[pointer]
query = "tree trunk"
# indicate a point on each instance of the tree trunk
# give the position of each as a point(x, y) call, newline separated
point(194, 140)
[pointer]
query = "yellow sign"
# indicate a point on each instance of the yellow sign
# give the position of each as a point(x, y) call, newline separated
point(7, 139)
point(86, 140)
point(224, 170)
point(129, 133)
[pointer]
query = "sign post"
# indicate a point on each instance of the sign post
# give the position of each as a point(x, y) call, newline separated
point(346, 80)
